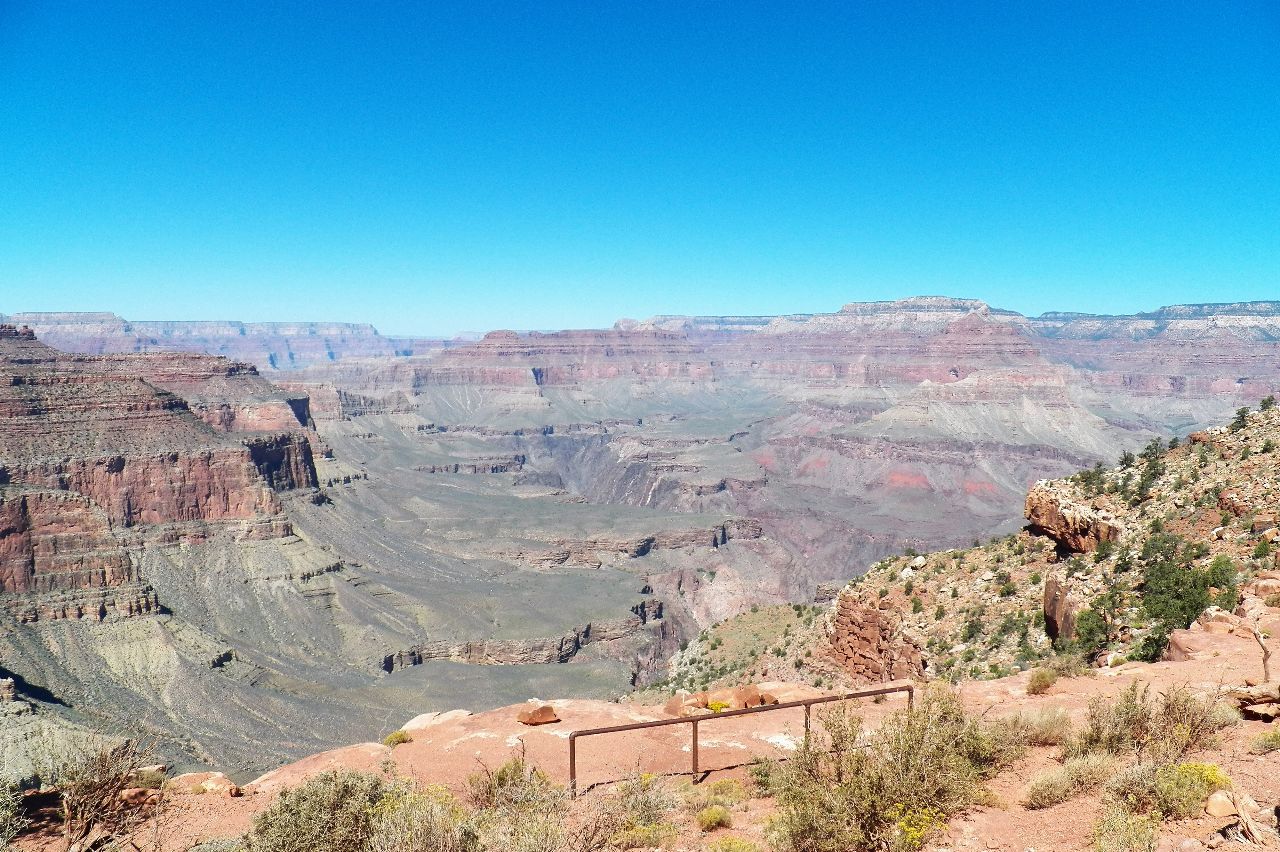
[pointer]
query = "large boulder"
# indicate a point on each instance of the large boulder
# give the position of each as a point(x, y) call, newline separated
point(537, 714)
point(1073, 524)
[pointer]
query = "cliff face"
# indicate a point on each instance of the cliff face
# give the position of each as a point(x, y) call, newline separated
point(90, 446)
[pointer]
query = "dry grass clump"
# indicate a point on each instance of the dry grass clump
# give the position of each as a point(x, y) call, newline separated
point(1076, 776)
point(1048, 726)
point(1040, 681)
point(732, 844)
point(726, 793)
point(891, 788)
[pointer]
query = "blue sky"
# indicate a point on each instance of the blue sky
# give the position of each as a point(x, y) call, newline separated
point(439, 167)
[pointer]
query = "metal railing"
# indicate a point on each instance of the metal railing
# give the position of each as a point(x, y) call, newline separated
point(694, 721)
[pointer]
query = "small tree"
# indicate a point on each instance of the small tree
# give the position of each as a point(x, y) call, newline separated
point(1241, 420)
point(1268, 403)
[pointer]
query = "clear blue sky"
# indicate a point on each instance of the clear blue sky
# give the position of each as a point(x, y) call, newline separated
point(439, 167)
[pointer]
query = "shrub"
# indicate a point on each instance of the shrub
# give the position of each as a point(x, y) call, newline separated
point(1163, 729)
point(426, 821)
point(645, 836)
point(1265, 743)
point(396, 738)
point(645, 801)
point(717, 706)
point(1262, 550)
point(1040, 681)
point(330, 812)
point(1167, 790)
point(762, 772)
point(1078, 775)
point(714, 816)
point(1180, 790)
point(12, 822)
point(835, 794)
point(1121, 831)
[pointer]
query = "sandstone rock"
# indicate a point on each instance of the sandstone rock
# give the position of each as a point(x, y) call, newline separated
point(139, 796)
point(1060, 608)
point(1263, 521)
point(869, 644)
point(537, 714)
point(1072, 524)
point(200, 782)
point(1220, 804)
point(430, 720)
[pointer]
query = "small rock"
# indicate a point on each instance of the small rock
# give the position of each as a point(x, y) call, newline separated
point(537, 714)
point(918, 562)
point(1220, 805)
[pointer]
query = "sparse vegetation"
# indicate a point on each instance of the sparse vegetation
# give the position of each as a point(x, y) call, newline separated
point(1040, 681)
point(1265, 743)
point(1121, 831)
point(919, 767)
point(12, 821)
point(396, 738)
point(1076, 776)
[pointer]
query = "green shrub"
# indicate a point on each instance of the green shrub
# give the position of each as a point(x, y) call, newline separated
point(714, 816)
point(762, 772)
point(843, 789)
point(1121, 831)
point(1166, 790)
point(1265, 743)
point(396, 738)
point(330, 812)
point(1076, 776)
point(1180, 790)
point(1040, 681)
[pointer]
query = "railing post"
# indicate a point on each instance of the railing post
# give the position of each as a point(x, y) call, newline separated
point(695, 751)
point(807, 707)
point(573, 765)
point(911, 698)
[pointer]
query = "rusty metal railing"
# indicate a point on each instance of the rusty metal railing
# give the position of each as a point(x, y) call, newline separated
point(694, 721)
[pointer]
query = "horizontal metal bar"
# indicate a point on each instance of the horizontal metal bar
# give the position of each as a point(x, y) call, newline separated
point(725, 714)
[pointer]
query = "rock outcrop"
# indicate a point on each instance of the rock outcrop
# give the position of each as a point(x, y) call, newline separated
point(868, 643)
point(1076, 526)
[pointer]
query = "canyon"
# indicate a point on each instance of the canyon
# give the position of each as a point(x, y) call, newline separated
point(257, 538)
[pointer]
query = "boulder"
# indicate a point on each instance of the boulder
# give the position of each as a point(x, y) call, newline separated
point(537, 714)
point(1220, 804)
point(201, 782)
point(1074, 525)
point(1263, 521)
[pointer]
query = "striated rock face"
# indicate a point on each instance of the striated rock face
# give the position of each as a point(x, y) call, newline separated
point(868, 642)
point(93, 446)
point(1053, 511)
